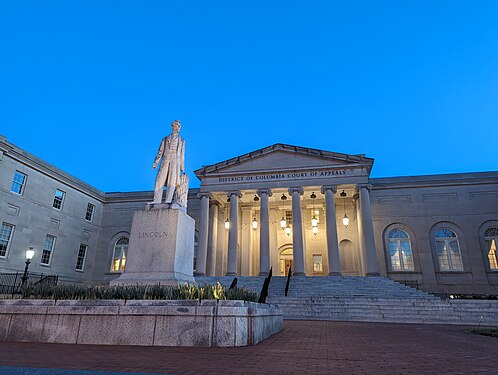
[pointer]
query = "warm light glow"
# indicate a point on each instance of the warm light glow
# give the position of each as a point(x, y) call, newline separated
point(314, 221)
point(345, 220)
point(288, 231)
point(227, 224)
point(254, 224)
point(315, 230)
point(283, 223)
point(30, 253)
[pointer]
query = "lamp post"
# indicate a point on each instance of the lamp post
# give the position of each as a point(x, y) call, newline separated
point(29, 255)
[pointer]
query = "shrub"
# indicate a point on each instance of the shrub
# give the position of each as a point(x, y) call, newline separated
point(134, 292)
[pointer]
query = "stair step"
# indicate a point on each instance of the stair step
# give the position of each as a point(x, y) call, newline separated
point(369, 299)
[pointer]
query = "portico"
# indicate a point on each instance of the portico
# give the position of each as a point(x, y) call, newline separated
point(282, 207)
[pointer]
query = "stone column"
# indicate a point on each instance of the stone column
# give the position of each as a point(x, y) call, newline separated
point(202, 244)
point(213, 238)
point(361, 248)
point(332, 241)
point(297, 231)
point(233, 233)
point(264, 231)
point(367, 229)
point(245, 242)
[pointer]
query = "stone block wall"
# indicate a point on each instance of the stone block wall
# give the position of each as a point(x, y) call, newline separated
point(145, 323)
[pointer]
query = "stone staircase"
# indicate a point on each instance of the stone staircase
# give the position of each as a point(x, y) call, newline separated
point(368, 299)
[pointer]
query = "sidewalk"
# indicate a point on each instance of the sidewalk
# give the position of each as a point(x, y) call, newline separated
point(303, 347)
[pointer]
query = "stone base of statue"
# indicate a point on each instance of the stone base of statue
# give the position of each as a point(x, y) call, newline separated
point(161, 248)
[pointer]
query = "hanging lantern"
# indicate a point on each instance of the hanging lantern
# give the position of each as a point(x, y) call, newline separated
point(288, 230)
point(314, 220)
point(345, 219)
point(227, 224)
point(283, 223)
point(315, 230)
point(254, 224)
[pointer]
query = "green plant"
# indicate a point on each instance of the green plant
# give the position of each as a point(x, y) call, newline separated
point(134, 292)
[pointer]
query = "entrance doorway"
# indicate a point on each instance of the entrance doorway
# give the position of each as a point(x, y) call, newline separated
point(286, 262)
point(348, 258)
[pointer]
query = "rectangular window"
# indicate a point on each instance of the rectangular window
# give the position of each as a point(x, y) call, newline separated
point(317, 263)
point(288, 217)
point(5, 237)
point(89, 212)
point(58, 199)
point(48, 248)
point(18, 183)
point(80, 262)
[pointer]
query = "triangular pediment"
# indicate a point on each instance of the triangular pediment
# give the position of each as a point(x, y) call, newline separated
point(282, 157)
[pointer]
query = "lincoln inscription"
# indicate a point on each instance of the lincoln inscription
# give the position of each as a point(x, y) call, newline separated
point(152, 234)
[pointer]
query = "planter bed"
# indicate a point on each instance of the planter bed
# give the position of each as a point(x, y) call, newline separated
point(207, 323)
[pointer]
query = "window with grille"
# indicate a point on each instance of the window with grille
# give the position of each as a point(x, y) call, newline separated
point(119, 254)
point(448, 250)
point(288, 217)
point(18, 183)
point(80, 261)
point(89, 212)
point(48, 249)
point(5, 236)
point(400, 251)
point(491, 238)
point(58, 199)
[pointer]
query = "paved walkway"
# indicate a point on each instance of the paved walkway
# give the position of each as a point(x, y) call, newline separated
point(303, 347)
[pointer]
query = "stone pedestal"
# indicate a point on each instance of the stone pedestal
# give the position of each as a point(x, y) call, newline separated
point(161, 248)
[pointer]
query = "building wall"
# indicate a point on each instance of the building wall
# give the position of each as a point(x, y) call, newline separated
point(34, 217)
point(419, 205)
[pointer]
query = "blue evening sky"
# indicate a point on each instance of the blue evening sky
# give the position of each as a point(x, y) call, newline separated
point(92, 86)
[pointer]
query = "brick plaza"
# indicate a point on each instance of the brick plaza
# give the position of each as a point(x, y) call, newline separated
point(303, 347)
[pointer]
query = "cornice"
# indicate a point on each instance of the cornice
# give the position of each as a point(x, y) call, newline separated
point(360, 160)
point(12, 151)
point(455, 179)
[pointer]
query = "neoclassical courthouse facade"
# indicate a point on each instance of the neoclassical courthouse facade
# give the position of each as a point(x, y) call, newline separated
point(310, 211)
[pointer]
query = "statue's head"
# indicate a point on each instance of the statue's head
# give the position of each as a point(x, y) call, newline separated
point(176, 126)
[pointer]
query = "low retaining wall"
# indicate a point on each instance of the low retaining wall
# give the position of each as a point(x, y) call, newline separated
point(139, 322)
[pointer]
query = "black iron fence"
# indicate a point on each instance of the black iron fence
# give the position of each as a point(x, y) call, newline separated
point(11, 283)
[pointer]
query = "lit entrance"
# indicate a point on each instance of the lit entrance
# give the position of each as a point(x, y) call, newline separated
point(286, 262)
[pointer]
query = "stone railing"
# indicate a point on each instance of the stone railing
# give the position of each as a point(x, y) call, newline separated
point(139, 322)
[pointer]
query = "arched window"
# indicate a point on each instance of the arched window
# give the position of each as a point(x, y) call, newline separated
point(448, 250)
point(400, 251)
point(119, 254)
point(491, 239)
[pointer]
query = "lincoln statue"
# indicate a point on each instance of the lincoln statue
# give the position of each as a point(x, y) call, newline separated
point(171, 156)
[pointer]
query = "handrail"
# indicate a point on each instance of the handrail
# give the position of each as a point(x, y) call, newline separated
point(266, 286)
point(288, 281)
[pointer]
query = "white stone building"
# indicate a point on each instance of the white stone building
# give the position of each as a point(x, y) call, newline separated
point(281, 206)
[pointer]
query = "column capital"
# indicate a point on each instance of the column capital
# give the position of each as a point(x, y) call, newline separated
point(204, 194)
point(299, 190)
point(264, 191)
point(363, 186)
point(333, 188)
point(234, 192)
point(214, 202)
